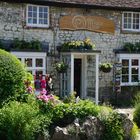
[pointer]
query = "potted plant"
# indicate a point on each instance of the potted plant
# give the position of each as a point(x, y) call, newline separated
point(78, 45)
point(105, 67)
point(61, 67)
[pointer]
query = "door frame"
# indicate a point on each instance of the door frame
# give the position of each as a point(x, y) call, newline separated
point(83, 55)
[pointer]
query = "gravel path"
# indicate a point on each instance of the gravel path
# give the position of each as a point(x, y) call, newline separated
point(128, 111)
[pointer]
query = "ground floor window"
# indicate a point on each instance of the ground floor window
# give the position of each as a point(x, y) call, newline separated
point(130, 69)
point(36, 65)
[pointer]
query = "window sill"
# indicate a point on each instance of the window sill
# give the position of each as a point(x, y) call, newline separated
point(36, 27)
point(130, 84)
point(130, 32)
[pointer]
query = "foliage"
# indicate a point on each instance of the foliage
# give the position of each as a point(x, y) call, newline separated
point(12, 75)
point(22, 44)
point(113, 127)
point(77, 45)
point(134, 132)
point(61, 67)
point(70, 98)
point(136, 116)
point(21, 121)
point(105, 67)
point(136, 99)
point(104, 112)
point(1, 45)
point(86, 108)
point(130, 47)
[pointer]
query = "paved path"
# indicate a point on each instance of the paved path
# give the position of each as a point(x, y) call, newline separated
point(128, 111)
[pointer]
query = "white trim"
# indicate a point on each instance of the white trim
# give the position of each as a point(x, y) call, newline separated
point(33, 56)
point(72, 73)
point(130, 57)
point(37, 25)
point(97, 80)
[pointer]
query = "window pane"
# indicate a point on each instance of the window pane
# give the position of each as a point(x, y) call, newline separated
point(29, 14)
point(40, 9)
point(28, 62)
point(40, 15)
point(35, 15)
point(41, 21)
point(29, 8)
point(45, 21)
point(135, 78)
point(134, 70)
point(125, 62)
point(34, 8)
point(135, 62)
point(34, 21)
point(125, 70)
point(45, 15)
point(136, 21)
point(30, 20)
point(46, 9)
point(39, 62)
point(125, 78)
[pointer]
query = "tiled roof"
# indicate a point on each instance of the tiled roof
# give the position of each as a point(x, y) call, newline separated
point(107, 3)
point(118, 4)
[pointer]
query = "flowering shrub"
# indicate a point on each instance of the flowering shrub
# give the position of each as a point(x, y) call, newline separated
point(77, 45)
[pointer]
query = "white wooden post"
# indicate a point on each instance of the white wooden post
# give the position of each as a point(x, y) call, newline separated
point(97, 80)
point(72, 73)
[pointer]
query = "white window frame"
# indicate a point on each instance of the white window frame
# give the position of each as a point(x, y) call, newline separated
point(128, 29)
point(130, 57)
point(37, 25)
point(33, 56)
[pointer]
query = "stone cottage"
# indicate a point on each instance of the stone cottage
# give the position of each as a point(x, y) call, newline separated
point(109, 24)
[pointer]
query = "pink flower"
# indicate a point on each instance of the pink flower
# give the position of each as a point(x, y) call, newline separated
point(43, 92)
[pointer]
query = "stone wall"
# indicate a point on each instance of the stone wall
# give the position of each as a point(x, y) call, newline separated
point(13, 25)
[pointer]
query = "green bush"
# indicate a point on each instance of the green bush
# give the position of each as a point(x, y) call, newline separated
point(21, 121)
point(136, 116)
point(12, 75)
point(113, 127)
point(24, 45)
point(134, 132)
point(129, 47)
point(86, 108)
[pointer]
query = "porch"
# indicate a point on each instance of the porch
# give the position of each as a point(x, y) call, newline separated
point(82, 75)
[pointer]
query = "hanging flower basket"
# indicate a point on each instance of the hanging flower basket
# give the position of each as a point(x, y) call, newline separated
point(78, 45)
point(61, 67)
point(105, 67)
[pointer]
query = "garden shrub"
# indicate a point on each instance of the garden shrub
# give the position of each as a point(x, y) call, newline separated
point(63, 114)
point(12, 75)
point(21, 121)
point(86, 108)
point(113, 127)
point(134, 132)
point(136, 116)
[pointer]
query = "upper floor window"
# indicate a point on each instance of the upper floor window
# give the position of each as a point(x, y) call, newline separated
point(131, 21)
point(37, 16)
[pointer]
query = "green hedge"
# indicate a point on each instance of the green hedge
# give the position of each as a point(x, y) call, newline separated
point(12, 75)
point(21, 121)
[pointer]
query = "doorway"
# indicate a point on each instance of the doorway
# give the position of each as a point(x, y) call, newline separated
point(77, 76)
